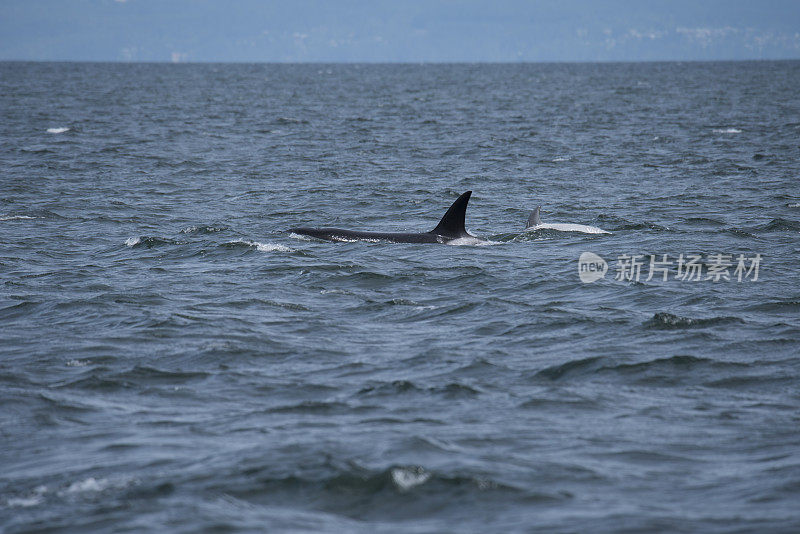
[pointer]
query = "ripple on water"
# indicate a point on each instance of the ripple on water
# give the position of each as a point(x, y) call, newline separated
point(669, 321)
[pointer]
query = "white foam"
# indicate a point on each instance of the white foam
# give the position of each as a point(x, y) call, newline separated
point(265, 247)
point(362, 239)
point(24, 502)
point(727, 130)
point(793, 205)
point(16, 217)
point(568, 227)
point(560, 158)
point(406, 478)
point(77, 363)
point(131, 241)
point(270, 247)
point(299, 236)
point(57, 130)
point(461, 241)
point(91, 484)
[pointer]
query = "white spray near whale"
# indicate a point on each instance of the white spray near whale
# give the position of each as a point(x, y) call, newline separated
point(535, 223)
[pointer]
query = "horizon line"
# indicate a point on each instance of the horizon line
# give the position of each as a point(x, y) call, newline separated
point(420, 62)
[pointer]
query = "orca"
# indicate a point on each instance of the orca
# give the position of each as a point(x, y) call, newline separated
point(450, 229)
point(535, 223)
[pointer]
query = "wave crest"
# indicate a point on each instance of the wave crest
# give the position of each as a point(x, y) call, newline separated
point(669, 321)
point(261, 247)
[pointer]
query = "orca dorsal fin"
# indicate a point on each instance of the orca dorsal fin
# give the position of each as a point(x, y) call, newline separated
point(534, 219)
point(452, 224)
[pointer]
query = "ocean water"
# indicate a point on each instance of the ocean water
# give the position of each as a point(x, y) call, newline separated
point(173, 359)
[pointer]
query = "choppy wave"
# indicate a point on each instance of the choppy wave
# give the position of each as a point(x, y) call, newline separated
point(204, 229)
point(261, 247)
point(351, 489)
point(149, 241)
point(790, 304)
point(727, 130)
point(780, 225)
point(16, 217)
point(569, 368)
point(408, 477)
point(290, 120)
point(643, 226)
point(57, 130)
point(658, 372)
point(68, 493)
point(676, 369)
point(663, 320)
point(30, 214)
point(406, 386)
point(704, 221)
point(90, 484)
point(738, 232)
point(32, 498)
point(100, 379)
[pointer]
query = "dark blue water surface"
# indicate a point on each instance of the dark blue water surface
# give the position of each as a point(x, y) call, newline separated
point(173, 359)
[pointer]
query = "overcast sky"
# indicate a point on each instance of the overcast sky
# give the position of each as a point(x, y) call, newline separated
point(399, 30)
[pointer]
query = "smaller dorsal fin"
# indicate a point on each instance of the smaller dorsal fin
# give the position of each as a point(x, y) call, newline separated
point(452, 224)
point(534, 219)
